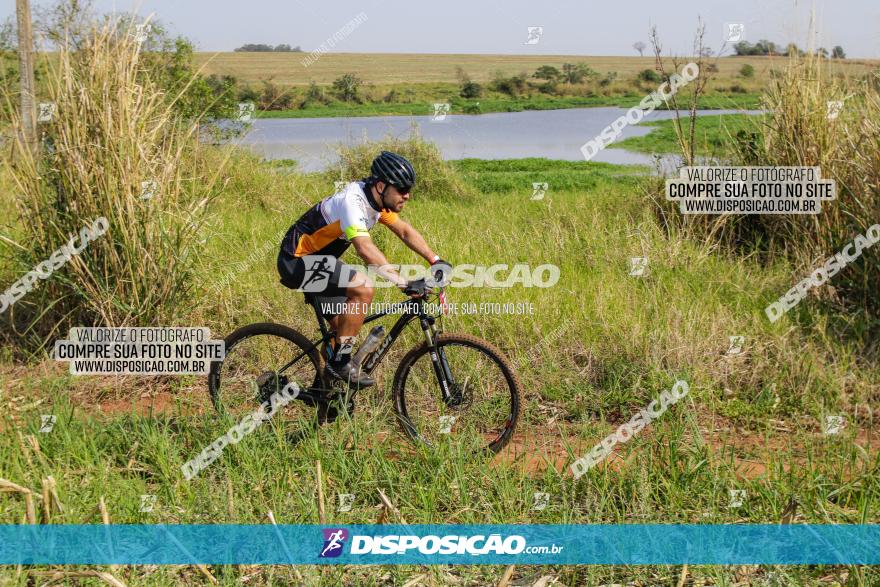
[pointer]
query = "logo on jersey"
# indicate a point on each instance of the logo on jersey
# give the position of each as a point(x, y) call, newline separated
point(334, 540)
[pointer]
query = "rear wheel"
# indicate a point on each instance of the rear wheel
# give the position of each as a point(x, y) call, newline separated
point(250, 373)
point(482, 405)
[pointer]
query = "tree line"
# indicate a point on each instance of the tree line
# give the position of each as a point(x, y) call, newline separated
point(262, 48)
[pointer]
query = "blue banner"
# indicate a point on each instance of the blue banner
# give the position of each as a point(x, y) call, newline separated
point(627, 544)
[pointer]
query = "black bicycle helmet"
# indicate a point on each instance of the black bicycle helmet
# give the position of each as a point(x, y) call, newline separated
point(394, 169)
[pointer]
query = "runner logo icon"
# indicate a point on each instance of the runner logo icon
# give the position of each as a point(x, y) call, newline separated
point(319, 268)
point(334, 539)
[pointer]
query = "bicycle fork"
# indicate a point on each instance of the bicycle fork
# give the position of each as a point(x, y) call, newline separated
point(448, 390)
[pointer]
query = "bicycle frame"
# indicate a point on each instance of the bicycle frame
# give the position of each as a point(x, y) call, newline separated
point(410, 310)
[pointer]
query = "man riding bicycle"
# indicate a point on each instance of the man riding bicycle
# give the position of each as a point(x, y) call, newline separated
point(310, 250)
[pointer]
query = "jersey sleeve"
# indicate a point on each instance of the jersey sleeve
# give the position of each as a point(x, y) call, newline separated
point(353, 217)
point(388, 218)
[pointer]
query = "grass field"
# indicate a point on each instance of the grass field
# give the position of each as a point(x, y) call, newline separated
point(413, 68)
point(409, 84)
point(600, 345)
point(715, 135)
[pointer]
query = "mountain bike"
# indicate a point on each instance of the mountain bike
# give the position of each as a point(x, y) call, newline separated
point(451, 385)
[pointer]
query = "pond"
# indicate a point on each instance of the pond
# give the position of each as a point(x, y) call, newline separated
point(554, 134)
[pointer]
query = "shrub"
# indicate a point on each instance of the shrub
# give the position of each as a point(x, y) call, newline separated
point(512, 86)
point(315, 95)
point(471, 89)
point(747, 71)
point(575, 73)
point(347, 87)
point(549, 73)
point(435, 179)
point(248, 94)
point(274, 98)
point(608, 78)
point(649, 75)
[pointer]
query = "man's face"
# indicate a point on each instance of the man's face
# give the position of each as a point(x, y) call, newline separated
point(394, 199)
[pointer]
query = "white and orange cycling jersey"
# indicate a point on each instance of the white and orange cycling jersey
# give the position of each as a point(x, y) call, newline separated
point(328, 227)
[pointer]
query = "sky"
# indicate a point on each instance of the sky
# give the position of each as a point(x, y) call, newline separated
point(585, 27)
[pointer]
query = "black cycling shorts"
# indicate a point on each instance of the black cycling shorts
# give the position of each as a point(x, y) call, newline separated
point(320, 278)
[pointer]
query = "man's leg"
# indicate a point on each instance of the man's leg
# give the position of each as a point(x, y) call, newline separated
point(349, 323)
point(359, 294)
point(334, 326)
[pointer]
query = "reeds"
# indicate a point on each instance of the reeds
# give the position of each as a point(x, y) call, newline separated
point(799, 127)
point(117, 148)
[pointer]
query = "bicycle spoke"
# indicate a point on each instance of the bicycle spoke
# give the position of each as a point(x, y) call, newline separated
point(249, 375)
point(480, 407)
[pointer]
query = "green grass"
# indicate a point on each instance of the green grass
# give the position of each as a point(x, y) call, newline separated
point(618, 342)
point(457, 106)
point(484, 106)
point(715, 135)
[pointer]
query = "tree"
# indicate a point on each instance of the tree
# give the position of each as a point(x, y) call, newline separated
point(762, 47)
point(838, 53)
point(548, 72)
point(765, 47)
point(65, 22)
point(822, 52)
point(793, 49)
point(742, 48)
point(264, 48)
point(255, 48)
point(640, 47)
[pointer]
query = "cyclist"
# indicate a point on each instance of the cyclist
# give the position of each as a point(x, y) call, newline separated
point(308, 259)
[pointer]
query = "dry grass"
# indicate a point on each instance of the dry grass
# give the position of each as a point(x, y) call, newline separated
point(116, 149)
point(409, 68)
point(796, 130)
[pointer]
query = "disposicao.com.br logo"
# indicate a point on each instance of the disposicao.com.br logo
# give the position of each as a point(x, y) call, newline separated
point(476, 545)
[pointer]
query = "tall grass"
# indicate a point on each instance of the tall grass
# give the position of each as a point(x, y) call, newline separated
point(598, 347)
point(796, 130)
point(115, 148)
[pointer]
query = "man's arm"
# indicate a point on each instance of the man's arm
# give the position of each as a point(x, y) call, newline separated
point(413, 239)
point(370, 253)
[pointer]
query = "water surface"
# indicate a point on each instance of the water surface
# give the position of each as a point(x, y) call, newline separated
point(554, 134)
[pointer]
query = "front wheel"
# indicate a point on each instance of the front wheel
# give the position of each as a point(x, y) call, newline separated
point(463, 387)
